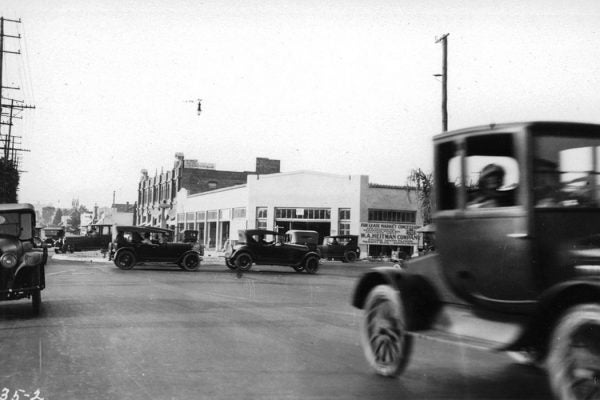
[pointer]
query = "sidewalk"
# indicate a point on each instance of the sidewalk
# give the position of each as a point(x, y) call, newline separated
point(97, 256)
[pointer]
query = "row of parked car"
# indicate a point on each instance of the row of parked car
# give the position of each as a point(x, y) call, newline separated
point(130, 245)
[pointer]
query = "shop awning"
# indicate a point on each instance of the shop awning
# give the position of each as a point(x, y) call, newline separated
point(427, 229)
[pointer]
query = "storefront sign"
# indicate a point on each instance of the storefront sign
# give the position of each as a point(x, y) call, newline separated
point(388, 234)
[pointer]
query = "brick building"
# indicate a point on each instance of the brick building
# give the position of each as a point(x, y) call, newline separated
point(157, 194)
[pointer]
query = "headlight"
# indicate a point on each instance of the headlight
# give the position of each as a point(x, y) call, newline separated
point(8, 260)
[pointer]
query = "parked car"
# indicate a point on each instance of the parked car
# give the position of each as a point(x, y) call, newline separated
point(22, 256)
point(188, 236)
point(341, 247)
point(308, 238)
point(263, 247)
point(516, 265)
point(132, 245)
point(51, 234)
point(97, 237)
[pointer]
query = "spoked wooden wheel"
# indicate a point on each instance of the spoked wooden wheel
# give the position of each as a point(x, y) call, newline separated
point(385, 342)
point(574, 357)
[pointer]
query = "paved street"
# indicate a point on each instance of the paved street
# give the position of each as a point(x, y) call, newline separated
point(162, 333)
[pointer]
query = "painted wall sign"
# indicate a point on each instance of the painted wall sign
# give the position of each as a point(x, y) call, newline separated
point(389, 234)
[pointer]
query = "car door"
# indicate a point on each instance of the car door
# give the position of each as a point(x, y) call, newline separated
point(485, 249)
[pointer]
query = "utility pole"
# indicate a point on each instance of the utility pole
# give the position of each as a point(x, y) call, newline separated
point(2, 51)
point(10, 149)
point(444, 40)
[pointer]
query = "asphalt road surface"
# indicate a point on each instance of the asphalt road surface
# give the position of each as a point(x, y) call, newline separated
point(162, 333)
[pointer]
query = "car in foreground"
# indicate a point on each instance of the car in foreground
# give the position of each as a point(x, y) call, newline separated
point(264, 247)
point(97, 237)
point(342, 247)
point(133, 245)
point(516, 265)
point(22, 256)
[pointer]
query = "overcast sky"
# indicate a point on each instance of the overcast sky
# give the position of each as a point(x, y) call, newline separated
point(333, 86)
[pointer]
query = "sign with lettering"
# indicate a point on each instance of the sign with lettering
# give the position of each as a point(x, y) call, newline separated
point(389, 234)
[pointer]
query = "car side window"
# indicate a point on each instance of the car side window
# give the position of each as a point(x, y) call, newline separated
point(490, 177)
point(566, 172)
point(136, 237)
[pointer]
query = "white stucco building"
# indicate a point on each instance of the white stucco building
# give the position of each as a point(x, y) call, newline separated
point(384, 217)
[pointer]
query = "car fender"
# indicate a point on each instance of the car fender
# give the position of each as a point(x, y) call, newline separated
point(241, 251)
point(551, 305)
point(188, 252)
point(419, 296)
point(122, 249)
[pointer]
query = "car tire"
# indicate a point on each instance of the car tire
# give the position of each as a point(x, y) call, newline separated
point(125, 260)
point(311, 265)
point(36, 301)
point(575, 352)
point(70, 249)
point(350, 256)
point(385, 341)
point(190, 262)
point(230, 265)
point(243, 262)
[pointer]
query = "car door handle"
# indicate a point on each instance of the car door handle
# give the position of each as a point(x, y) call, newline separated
point(518, 235)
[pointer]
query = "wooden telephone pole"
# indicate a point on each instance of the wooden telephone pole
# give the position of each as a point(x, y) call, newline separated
point(444, 40)
point(9, 147)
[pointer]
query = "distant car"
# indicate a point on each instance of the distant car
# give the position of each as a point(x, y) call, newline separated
point(129, 248)
point(22, 257)
point(97, 238)
point(341, 247)
point(51, 234)
point(263, 247)
point(308, 238)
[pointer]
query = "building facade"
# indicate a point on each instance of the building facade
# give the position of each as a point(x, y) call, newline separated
point(156, 194)
point(384, 217)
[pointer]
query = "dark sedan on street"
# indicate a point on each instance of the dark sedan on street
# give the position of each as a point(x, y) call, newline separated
point(260, 246)
point(133, 245)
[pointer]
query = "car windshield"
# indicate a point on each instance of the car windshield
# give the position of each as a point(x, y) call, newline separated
point(566, 171)
point(16, 224)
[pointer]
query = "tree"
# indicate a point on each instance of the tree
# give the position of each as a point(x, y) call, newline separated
point(9, 177)
point(424, 184)
point(57, 217)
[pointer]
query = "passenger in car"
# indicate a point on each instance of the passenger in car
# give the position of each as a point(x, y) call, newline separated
point(147, 238)
point(491, 180)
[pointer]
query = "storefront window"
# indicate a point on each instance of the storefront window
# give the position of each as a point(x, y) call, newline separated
point(261, 217)
point(393, 216)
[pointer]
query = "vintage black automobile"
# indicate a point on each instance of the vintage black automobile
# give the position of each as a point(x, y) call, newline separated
point(132, 245)
point(263, 247)
point(52, 234)
point(22, 257)
point(97, 237)
point(341, 247)
point(517, 260)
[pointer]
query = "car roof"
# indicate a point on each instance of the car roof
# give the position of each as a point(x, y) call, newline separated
point(16, 207)
point(143, 229)
point(259, 231)
point(494, 128)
